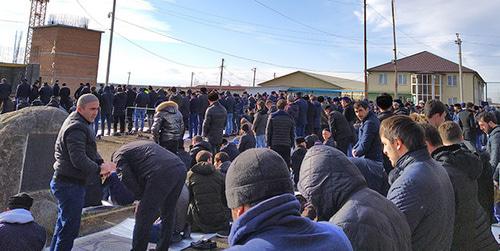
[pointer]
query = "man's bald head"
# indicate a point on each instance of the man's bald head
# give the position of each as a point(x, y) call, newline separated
point(86, 99)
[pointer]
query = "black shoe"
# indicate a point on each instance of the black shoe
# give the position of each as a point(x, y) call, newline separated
point(176, 237)
point(204, 244)
point(186, 233)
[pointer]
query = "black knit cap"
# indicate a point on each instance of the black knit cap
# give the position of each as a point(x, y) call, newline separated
point(256, 175)
point(20, 200)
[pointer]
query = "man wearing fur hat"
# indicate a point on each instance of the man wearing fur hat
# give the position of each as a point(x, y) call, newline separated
point(168, 126)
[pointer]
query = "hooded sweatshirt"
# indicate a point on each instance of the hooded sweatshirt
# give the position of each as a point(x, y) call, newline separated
point(276, 224)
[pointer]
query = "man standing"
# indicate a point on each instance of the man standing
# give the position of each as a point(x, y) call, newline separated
point(301, 121)
point(435, 112)
point(420, 187)
point(77, 160)
point(488, 124)
point(368, 144)
point(193, 116)
point(156, 177)
point(280, 131)
point(202, 107)
point(215, 121)
point(468, 125)
point(23, 92)
point(131, 94)
point(339, 128)
point(259, 124)
point(119, 110)
point(5, 90)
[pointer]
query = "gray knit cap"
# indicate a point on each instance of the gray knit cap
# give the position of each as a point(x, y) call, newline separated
point(256, 175)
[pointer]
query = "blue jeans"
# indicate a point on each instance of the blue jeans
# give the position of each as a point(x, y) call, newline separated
point(261, 141)
point(95, 124)
point(193, 124)
point(118, 192)
point(229, 124)
point(70, 200)
point(140, 113)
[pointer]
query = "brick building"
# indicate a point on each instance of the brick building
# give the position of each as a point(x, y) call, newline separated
point(66, 53)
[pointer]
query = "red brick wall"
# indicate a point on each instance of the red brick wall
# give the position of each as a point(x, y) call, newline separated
point(76, 58)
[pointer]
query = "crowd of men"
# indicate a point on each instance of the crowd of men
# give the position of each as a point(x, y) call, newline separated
point(369, 175)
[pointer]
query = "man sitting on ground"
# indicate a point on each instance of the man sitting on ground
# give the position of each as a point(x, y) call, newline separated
point(222, 162)
point(207, 212)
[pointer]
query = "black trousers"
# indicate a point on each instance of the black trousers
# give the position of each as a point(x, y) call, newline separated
point(171, 145)
point(119, 118)
point(284, 152)
point(130, 119)
point(343, 145)
point(158, 196)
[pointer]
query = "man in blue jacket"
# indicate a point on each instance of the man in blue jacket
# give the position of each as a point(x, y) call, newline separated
point(368, 145)
point(266, 214)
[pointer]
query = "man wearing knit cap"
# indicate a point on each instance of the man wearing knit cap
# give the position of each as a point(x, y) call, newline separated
point(266, 214)
point(18, 230)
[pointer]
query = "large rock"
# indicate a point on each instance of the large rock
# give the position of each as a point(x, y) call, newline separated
point(19, 171)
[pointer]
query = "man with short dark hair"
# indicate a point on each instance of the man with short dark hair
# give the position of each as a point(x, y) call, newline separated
point(471, 227)
point(202, 107)
point(384, 103)
point(420, 187)
point(368, 145)
point(259, 124)
point(197, 145)
point(77, 169)
point(488, 124)
point(301, 121)
point(222, 162)
point(18, 229)
point(340, 129)
point(467, 123)
point(247, 139)
point(280, 131)
point(215, 121)
point(435, 112)
point(266, 213)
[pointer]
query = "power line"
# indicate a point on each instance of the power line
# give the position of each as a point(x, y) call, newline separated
point(11, 21)
point(224, 52)
point(304, 24)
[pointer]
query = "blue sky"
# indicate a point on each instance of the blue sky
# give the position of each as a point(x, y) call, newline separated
point(323, 36)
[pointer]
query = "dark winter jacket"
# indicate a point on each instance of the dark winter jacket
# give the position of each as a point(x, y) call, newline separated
point(486, 189)
point(374, 174)
point(464, 168)
point(167, 123)
point(493, 148)
point(203, 104)
point(228, 102)
point(119, 103)
point(194, 105)
point(142, 99)
point(280, 129)
point(202, 146)
point(224, 167)
point(231, 149)
point(247, 141)
point(214, 123)
point(468, 125)
point(338, 191)
point(349, 114)
point(184, 108)
point(106, 101)
point(23, 90)
point(177, 98)
point(317, 114)
point(185, 157)
point(422, 191)
point(19, 231)
point(45, 93)
point(297, 157)
point(339, 127)
point(139, 161)
point(76, 150)
point(131, 95)
point(369, 144)
point(303, 107)
point(384, 115)
point(64, 92)
point(208, 210)
point(5, 91)
point(260, 122)
point(153, 99)
point(292, 110)
point(34, 93)
point(276, 224)
point(56, 90)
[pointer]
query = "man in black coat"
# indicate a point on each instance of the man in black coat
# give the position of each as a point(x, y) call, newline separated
point(230, 148)
point(23, 91)
point(280, 132)
point(468, 124)
point(56, 89)
point(184, 110)
point(131, 94)
point(215, 121)
point(106, 99)
point(156, 177)
point(197, 145)
point(65, 93)
point(202, 108)
point(193, 116)
point(5, 90)
point(45, 93)
point(119, 110)
point(339, 128)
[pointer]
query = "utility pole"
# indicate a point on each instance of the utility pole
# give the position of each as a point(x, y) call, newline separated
point(254, 70)
point(128, 79)
point(274, 76)
point(221, 72)
point(365, 49)
point(460, 80)
point(395, 50)
point(192, 76)
point(110, 40)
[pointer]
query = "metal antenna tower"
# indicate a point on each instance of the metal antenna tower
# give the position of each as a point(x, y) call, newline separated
point(37, 18)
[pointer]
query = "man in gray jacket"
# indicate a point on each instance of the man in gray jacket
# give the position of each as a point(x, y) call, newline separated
point(420, 187)
point(77, 163)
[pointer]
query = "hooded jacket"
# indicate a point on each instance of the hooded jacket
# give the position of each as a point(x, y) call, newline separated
point(214, 123)
point(19, 231)
point(422, 191)
point(167, 123)
point(464, 168)
point(208, 210)
point(338, 191)
point(276, 224)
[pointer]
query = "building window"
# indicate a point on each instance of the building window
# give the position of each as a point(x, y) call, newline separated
point(452, 101)
point(382, 79)
point(452, 80)
point(402, 79)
